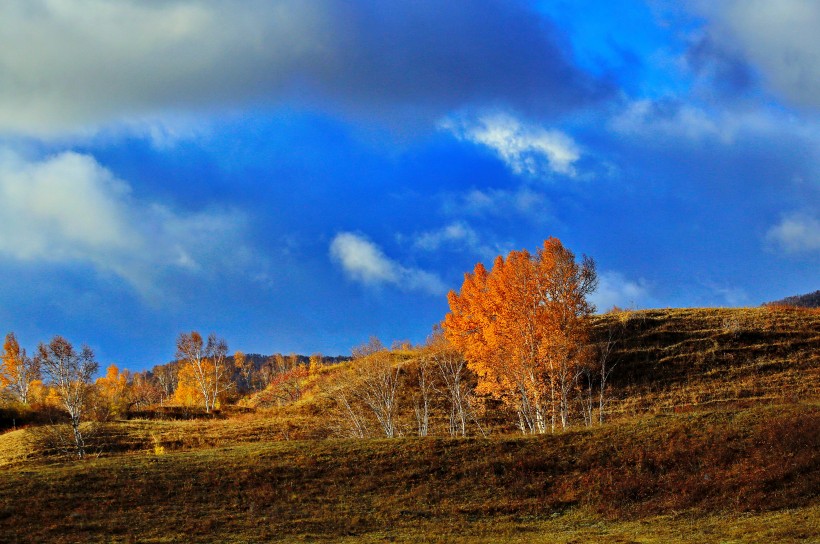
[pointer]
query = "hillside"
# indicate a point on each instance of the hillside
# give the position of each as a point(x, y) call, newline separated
point(593, 483)
point(682, 359)
point(712, 434)
point(809, 300)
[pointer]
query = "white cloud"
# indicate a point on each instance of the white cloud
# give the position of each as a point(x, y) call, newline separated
point(615, 290)
point(364, 262)
point(525, 148)
point(69, 208)
point(779, 38)
point(796, 233)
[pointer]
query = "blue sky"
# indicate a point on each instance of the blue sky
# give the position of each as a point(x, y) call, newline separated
point(299, 176)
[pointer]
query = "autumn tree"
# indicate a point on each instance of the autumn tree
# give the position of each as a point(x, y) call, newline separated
point(524, 327)
point(167, 379)
point(18, 371)
point(373, 345)
point(292, 362)
point(370, 386)
point(145, 390)
point(246, 369)
point(377, 381)
point(266, 372)
point(452, 373)
point(600, 368)
point(425, 387)
point(315, 363)
point(206, 365)
point(113, 393)
point(70, 374)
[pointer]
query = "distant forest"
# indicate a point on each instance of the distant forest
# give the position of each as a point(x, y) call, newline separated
point(809, 300)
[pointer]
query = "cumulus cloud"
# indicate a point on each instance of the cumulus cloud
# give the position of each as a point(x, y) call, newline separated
point(75, 66)
point(796, 233)
point(615, 290)
point(525, 148)
point(364, 262)
point(68, 208)
point(779, 38)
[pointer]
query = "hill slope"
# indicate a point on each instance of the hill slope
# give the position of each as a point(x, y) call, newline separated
point(678, 359)
point(809, 300)
point(713, 434)
point(760, 460)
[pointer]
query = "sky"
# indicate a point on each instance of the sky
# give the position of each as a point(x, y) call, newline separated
point(298, 176)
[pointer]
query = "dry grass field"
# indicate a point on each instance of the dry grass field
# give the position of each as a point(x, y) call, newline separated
point(713, 436)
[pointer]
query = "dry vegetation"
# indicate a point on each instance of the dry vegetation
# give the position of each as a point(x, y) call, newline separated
point(685, 358)
point(723, 462)
point(712, 435)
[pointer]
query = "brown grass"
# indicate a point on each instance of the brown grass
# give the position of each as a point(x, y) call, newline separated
point(681, 359)
point(714, 436)
point(723, 462)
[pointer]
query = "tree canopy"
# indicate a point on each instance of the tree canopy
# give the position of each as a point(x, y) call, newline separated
point(524, 327)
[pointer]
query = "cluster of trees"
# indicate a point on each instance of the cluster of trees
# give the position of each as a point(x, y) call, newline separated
point(433, 379)
point(69, 373)
point(524, 327)
point(518, 335)
point(203, 374)
point(59, 375)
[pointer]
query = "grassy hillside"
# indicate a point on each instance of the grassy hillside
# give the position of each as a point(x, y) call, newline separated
point(713, 435)
point(681, 359)
point(723, 462)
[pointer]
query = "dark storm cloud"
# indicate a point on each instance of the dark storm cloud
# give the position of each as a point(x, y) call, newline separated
point(80, 65)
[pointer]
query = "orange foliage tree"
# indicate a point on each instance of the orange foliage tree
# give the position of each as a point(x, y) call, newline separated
point(17, 370)
point(524, 328)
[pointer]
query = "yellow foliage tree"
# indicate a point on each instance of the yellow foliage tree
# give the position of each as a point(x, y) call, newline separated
point(206, 365)
point(523, 328)
point(315, 363)
point(113, 392)
point(187, 392)
point(17, 370)
point(246, 369)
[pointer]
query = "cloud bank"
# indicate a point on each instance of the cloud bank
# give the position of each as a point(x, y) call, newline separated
point(778, 38)
point(364, 262)
point(70, 67)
